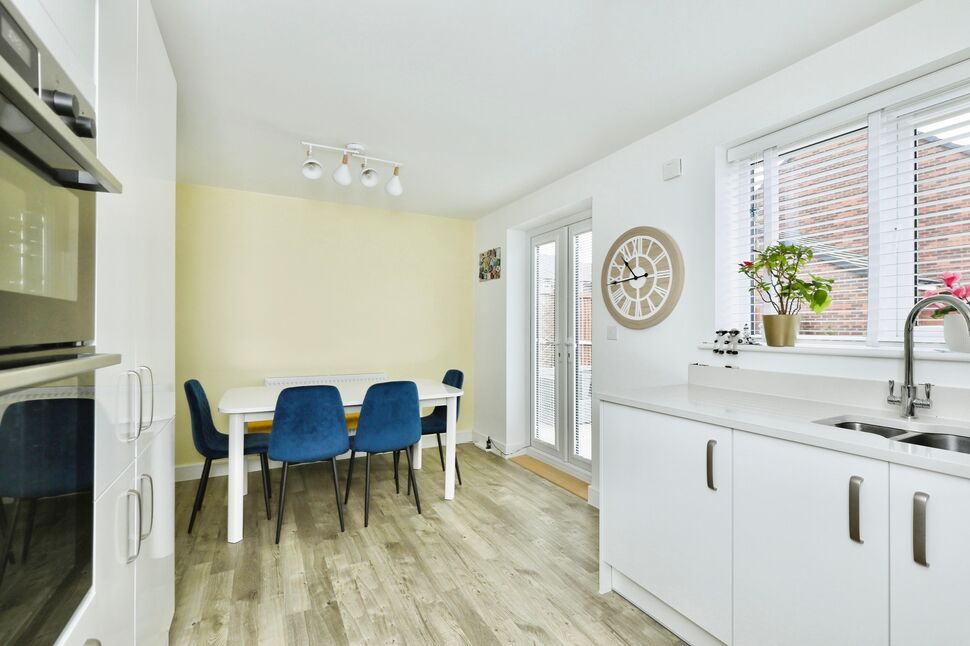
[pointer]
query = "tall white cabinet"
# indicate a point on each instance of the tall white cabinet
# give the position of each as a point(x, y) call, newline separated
point(132, 600)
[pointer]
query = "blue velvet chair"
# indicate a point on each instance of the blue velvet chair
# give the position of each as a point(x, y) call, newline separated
point(390, 420)
point(309, 426)
point(213, 445)
point(46, 451)
point(437, 423)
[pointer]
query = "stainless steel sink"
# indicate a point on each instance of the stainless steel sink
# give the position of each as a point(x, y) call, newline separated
point(875, 429)
point(940, 441)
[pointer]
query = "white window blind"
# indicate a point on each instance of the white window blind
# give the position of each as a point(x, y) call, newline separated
point(884, 203)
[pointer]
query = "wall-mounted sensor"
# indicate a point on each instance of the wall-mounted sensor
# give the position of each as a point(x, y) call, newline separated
point(673, 169)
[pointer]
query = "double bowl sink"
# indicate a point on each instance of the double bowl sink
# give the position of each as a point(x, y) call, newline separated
point(932, 436)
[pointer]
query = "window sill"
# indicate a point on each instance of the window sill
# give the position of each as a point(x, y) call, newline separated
point(926, 352)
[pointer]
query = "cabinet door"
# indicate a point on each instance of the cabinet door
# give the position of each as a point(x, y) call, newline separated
point(664, 527)
point(107, 613)
point(155, 567)
point(114, 310)
point(154, 245)
point(929, 602)
point(799, 577)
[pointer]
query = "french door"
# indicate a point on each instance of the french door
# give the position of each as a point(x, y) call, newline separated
point(562, 343)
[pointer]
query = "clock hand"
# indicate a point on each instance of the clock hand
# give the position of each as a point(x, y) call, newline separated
point(617, 282)
point(625, 262)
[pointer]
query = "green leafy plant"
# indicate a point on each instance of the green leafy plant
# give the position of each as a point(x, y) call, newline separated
point(776, 275)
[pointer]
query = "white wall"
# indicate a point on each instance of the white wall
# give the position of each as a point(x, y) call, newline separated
point(626, 190)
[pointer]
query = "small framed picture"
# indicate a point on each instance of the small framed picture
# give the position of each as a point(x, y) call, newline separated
point(490, 264)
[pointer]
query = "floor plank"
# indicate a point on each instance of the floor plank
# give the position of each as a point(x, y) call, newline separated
point(512, 560)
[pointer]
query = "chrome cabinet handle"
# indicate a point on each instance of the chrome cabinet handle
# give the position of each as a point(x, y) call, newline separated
point(151, 409)
point(855, 486)
point(131, 557)
point(137, 376)
point(919, 527)
point(710, 464)
point(151, 498)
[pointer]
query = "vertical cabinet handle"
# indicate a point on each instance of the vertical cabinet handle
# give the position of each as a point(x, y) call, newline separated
point(131, 493)
point(141, 414)
point(151, 390)
point(919, 527)
point(855, 487)
point(151, 501)
point(710, 464)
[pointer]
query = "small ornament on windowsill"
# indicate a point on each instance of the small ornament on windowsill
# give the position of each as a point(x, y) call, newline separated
point(746, 338)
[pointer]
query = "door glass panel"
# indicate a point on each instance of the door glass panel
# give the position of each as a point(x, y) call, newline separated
point(582, 333)
point(544, 370)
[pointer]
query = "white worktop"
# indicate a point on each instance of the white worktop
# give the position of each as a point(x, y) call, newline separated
point(791, 418)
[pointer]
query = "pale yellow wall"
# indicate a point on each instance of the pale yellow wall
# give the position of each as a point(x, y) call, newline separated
point(269, 285)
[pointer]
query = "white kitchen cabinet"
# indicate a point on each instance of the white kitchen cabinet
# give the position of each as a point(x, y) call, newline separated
point(799, 577)
point(154, 568)
point(667, 526)
point(103, 614)
point(929, 602)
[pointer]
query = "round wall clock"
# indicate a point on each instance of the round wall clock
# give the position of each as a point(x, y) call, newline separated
point(643, 275)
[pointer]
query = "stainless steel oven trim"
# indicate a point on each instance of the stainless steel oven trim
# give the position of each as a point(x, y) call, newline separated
point(19, 94)
point(17, 378)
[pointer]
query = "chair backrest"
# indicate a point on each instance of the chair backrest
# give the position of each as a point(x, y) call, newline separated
point(308, 425)
point(204, 432)
point(390, 417)
point(456, 379)
point(47, 448)
point(324, 380)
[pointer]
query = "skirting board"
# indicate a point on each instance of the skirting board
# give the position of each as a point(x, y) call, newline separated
point(500, 448)
point(221, 467)
point(672, 620)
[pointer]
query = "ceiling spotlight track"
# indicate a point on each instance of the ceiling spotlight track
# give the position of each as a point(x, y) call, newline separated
point(369, 176)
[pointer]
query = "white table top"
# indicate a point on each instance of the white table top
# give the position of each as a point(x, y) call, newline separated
point(262, 399)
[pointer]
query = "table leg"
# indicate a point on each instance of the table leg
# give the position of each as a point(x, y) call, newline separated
point(451, 437)
point(416, 454)
point(237, 477)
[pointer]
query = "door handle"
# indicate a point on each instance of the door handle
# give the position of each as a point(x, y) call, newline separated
point(710, 464)
point(855, 487)
point(132, 493)
point(151, 409)
point(151, 498)
point(920, 500)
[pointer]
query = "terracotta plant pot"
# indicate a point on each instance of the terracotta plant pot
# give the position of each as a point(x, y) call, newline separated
point(781, 330)
point(955, 332)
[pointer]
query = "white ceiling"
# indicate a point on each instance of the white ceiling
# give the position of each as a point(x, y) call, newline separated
point(482, 101)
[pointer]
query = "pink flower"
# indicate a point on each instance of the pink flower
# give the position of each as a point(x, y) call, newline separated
point(960, 291)
point(950, 278)
point(930, 292)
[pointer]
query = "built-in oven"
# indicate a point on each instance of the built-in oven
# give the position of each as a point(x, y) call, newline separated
point(49, 174)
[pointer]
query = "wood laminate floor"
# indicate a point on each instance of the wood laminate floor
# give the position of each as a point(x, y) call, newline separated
point(512, 560)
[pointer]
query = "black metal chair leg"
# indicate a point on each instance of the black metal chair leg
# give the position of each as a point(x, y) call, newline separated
point(269, 481)
point(397, 481)
point(414, 483)
point(8, 539)
point(3, 528)
point(457, 468)
point(205, 481)
point(409, 483)
point(336, 493)
point(441, 454)
point(200, 492)
point(264, 467)
point(29, 528)
point(350, 474)
point(279, 519)
point(367, 490)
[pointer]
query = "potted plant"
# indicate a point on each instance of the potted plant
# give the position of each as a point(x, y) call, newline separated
point(776, 275)
point(955, 331)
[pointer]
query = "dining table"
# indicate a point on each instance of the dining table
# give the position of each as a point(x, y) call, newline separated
point(258, 403)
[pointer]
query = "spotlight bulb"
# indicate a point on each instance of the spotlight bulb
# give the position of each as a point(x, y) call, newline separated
point(368, 176)
point(342, 174)
point(394, 184)
point(312, 169)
